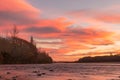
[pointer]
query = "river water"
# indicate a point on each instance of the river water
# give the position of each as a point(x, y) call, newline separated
point(61, 71)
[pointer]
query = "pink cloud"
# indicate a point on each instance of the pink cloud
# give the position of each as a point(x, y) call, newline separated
point(17, 12)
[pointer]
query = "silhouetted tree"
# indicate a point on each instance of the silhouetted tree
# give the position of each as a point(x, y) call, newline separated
point(14, 31)
point(31, 40)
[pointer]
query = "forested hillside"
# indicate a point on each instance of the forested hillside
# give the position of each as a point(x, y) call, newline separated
point(15, 50)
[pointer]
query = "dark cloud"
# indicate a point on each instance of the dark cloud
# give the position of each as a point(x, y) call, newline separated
point(15, 17)
point(44, 30)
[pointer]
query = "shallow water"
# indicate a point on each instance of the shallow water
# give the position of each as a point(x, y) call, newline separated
point(61, 71)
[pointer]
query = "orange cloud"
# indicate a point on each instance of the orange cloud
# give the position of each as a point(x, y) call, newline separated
point(59, 23)
point(48, 28)
point(89, 35)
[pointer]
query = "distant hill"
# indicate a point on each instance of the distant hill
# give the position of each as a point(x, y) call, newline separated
point(18, 51)
point(114, 58)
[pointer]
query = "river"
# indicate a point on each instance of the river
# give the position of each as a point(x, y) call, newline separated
point(61, 71)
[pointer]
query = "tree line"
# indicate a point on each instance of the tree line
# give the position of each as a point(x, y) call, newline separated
point(111, 58)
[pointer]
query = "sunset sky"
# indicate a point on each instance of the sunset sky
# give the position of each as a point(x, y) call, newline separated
point(67, 29)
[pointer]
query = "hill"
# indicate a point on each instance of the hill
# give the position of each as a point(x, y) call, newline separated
point(15, 50)
point(114, 58)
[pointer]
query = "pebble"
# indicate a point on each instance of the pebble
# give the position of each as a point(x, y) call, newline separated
point(14, 79)
point(43, 73)
point(51, 70)
point(39, 74)
point(35, 71)
point(8, 73)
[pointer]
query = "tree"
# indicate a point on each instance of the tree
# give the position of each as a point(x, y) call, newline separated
point(14, 31)
point(31, 40)
point(14, 36)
